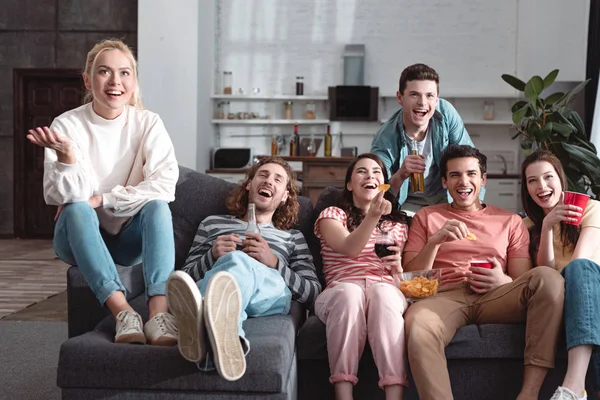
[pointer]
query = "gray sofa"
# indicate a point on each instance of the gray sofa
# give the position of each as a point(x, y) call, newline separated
point(91, 366)
point(288, 357)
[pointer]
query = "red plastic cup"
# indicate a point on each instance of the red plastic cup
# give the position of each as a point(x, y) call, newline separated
point(482, 264)
point(579, 200)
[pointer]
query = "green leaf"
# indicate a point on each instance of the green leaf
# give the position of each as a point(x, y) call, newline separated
point(550, 78)
point(554, 97)
point(575, 90)
point(519, 114)
point(519, 104)
point(533, 88)
point(585, 157)
point(563, 129)
point(583, 143)
point(547, 127)
point(514, 82)
point(574, 119)
point(525, 145)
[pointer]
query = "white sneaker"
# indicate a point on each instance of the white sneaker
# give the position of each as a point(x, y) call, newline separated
point(222, 314)
point(129, 328)
point(185, 303)
point(563, 393)
point(161, 330)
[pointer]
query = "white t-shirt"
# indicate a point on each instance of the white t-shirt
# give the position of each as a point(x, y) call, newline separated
point(129, 161)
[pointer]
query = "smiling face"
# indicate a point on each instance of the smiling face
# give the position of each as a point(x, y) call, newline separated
point(464, 180)
point(419, 99)
point(543, 184)
point(268, 188)
point(112, 82)
point(366, 177)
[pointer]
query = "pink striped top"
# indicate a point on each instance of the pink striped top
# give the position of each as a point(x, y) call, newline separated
point(338, 267)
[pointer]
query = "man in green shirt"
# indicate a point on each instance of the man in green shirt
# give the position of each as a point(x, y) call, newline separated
point(425, 123)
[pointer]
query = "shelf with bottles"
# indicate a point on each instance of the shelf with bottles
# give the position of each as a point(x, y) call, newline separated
point(270, 121)
point(259, 97)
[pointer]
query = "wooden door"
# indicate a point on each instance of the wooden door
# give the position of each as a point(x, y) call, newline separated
point(40, 95)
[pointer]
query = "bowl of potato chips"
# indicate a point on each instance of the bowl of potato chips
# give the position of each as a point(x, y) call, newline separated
point(416, 285)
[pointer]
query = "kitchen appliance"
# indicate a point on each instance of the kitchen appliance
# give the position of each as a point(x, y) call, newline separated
point(353, 103)
point(232, 158)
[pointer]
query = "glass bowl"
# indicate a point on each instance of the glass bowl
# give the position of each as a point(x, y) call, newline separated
point(416, 285)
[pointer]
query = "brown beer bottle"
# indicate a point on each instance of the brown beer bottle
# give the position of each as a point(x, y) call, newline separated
point(328, 140)
point(295, 143)
point(417, 181)
point(274, 146)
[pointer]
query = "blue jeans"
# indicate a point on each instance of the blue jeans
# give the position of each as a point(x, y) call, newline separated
point(582, 309)
point(146, 237)
point(263, 292)
point(582, 302)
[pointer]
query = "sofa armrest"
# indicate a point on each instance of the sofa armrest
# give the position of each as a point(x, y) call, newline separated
point(83, 310)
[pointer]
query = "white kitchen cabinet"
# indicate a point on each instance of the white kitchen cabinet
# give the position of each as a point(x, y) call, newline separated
point(552, 34)
point(504, 193)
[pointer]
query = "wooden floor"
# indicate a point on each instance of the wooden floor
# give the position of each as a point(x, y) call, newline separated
point(29, 274)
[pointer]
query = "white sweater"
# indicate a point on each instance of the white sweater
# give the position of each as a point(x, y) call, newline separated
point(129, 161)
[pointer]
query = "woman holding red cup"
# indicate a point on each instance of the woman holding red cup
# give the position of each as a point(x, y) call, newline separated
point(564, 229)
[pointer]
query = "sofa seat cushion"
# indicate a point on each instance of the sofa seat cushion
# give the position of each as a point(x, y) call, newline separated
point(471, 341)
point(93, 360)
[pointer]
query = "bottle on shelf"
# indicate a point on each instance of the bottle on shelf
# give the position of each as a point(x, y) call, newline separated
point(311, 149)
point(227, 82)
point(274, 146)
point(295, 143)
point(252, 224)
point(287, 110)
point(328, 140)
point(299, 86)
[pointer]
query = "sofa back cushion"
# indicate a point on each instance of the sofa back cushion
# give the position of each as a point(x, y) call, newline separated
point(198, 195)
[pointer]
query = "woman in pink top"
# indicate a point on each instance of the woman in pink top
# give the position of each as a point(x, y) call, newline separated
point(360, 299)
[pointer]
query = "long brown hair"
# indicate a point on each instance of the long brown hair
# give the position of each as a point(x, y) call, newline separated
point(569, 234)
point(286, 215)
point(355, 214)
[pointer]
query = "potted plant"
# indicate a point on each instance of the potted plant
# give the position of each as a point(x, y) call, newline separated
point(548, 123)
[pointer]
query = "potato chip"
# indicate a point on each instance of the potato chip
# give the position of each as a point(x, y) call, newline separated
point(384, 188)
point(419, 287)
point(470, 236)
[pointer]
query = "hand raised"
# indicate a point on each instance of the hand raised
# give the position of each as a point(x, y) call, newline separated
point(225, 244)
point(379, 206)
point(452, 230)
point(258, 248)
point(561, 212)
point(44, 137)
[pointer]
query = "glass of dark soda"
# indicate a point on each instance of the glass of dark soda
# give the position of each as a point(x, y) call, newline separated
point(383, 241)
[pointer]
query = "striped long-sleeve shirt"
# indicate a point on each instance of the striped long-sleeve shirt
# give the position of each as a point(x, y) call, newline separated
point(295, 260)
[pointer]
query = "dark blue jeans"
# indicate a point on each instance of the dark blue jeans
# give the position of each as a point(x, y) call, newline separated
point(582, 309)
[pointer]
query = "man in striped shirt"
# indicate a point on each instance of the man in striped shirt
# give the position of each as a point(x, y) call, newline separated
point(231, 274)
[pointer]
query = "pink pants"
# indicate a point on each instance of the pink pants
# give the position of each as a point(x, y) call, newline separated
point(357, 309)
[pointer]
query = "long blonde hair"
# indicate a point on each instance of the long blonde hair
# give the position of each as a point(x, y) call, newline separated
point(106, 45)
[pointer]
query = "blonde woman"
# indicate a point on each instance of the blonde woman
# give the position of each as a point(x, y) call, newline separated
point(111, 168)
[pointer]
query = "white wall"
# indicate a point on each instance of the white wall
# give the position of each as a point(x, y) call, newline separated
point(553, 34)
point(267, 43)
point(168, 46)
